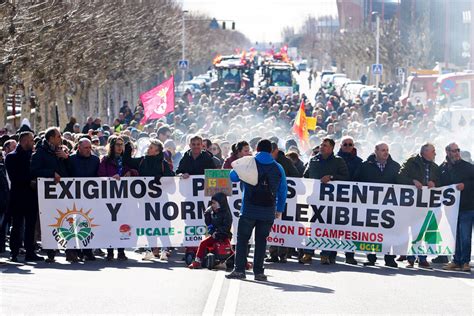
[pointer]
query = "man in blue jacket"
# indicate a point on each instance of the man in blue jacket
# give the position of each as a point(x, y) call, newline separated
point(261, 204)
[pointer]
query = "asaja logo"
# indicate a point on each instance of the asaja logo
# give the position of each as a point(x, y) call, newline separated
point(429, 240)
point(71, 224)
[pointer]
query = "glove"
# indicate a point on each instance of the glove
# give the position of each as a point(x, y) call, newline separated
point(210, 228)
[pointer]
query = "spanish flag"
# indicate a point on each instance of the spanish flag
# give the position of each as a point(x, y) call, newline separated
point(300, 127)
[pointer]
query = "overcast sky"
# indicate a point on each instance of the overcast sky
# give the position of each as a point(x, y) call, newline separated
point(262, 20)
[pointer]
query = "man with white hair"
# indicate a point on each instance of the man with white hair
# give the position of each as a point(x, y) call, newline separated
point(83, 164)
point(381, 168)
point(420, 170)
point(348, 152)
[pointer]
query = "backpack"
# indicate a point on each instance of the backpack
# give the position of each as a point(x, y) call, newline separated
point(262, 194)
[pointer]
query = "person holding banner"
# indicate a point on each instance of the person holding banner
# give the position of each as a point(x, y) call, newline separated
point(113, 166)
point(218, 219)
point(153, 164)
point(455, 170)
point(259, 203)
point(420, 170)
point(51, 161)
point(381, 168)
point(326, 167)
point(195, 160)
point(83, 164)
point(348, 152)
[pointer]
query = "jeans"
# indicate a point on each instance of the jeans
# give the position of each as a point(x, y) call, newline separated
point(244, 232)
point(462, 253)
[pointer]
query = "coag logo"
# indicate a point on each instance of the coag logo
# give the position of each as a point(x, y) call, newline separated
point(429, 240)
point(73, 224)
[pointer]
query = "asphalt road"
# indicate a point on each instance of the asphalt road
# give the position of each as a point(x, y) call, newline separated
point(140, 287)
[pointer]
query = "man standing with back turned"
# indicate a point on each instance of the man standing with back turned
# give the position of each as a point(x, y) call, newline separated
point(259, 204)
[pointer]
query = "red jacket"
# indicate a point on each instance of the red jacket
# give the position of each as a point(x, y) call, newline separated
point(228, 162)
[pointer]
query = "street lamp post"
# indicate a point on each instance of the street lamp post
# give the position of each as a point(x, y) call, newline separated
point(377, 40)
point(183, 41)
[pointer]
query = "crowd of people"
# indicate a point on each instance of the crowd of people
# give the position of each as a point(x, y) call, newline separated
point(354, 140)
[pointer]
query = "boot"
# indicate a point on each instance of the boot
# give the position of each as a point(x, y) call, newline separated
point(195, 265)
point(306, 259)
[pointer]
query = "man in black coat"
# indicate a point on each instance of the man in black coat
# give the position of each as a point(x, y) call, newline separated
point(326, 167)
point(381, 168)
point(23, 199)
point(460, 172)
point(153, 164)
point(195, 160)
point(348, 152)
point(4, 196)
point(50, 161)
point(420, 170)
point(83, 164)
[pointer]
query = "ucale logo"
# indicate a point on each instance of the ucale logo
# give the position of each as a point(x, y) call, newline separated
point(429, 239)
point(74, 223)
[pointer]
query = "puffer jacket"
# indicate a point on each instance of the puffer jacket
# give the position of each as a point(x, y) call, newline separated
point(277, 181)
point(220, 221)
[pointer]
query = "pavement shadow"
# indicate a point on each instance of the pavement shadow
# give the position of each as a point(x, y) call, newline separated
point(378, 269)
point(294, 287)
point(99, 264)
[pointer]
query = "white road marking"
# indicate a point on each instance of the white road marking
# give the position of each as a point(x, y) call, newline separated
point(211, 303)
point(232, 297)
point(468, 282)
point(2, 292)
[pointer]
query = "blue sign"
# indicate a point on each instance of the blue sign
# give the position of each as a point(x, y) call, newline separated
point(377, 69)
point(448, 86)
point(183, 64)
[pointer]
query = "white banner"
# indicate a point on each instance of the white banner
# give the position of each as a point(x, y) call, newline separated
point(339, 216)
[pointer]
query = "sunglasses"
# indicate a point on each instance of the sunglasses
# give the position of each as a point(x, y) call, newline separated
point(455, 150)
point(214, 148)
point(348, 145)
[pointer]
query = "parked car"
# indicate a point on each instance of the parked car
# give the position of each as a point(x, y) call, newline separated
point(350, 89)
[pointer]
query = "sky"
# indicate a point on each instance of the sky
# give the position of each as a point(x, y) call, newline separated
point(262, 20)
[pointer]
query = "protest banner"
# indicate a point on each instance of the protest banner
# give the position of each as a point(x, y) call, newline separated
point(340, 216)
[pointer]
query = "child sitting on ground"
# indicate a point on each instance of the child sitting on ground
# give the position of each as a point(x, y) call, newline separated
point(218, 219)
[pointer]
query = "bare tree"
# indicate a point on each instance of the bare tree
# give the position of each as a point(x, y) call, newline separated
point(83, 58)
